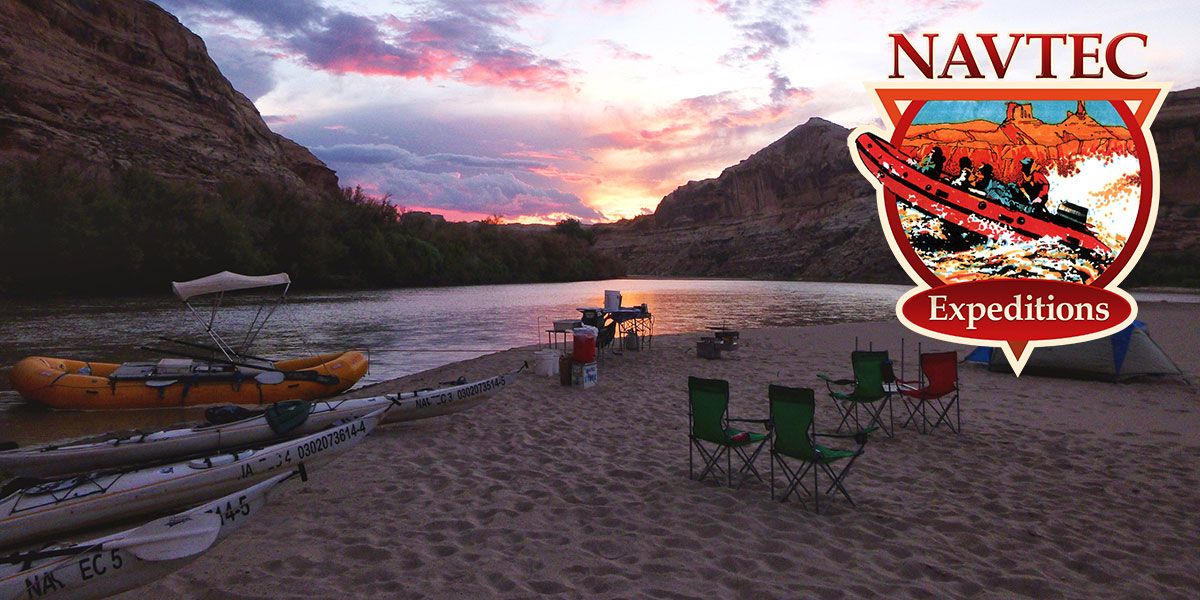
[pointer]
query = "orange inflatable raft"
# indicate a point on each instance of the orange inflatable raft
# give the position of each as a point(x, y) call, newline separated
point(81, 385)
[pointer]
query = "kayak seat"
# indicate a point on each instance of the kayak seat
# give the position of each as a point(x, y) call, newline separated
point(286, 416)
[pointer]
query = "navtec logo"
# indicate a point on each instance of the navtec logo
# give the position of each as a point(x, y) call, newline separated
point(1016, 208)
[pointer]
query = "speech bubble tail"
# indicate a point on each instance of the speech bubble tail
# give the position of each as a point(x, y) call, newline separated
point(1017, 355)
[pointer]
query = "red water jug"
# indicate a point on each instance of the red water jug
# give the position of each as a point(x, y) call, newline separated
point(583, 347)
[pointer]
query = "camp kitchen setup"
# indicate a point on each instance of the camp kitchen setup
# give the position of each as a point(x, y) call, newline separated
point(612, 327)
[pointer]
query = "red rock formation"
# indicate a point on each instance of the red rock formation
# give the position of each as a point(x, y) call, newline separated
point(797, 209)
point(1177, 138)
point(1021, 135)
point(120, 83)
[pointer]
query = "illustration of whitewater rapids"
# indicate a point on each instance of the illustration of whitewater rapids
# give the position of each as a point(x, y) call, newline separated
point(1109, 187)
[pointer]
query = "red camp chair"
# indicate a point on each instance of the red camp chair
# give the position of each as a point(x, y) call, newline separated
point(937, 389)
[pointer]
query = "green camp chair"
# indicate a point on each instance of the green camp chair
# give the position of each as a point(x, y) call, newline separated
point(794, 438)
point(708, 423)
point(872, 370)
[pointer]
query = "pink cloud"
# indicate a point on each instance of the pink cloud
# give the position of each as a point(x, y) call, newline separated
point(692, 120)
point(280, 119)
point(556, 154)
point(568, 177)
point(622, 52)
point(514, 70)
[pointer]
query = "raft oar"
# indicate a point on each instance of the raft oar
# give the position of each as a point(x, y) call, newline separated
point(214, 360)
point(165, 539)
point(168, 538)
point(209, 348)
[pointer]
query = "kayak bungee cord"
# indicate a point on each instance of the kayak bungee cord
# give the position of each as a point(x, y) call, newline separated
point(51, 487)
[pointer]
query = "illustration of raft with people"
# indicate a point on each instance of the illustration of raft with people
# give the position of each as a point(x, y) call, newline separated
point(973, 216)
point(983, 204)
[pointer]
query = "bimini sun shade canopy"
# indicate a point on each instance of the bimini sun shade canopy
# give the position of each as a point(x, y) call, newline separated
point(226, 281)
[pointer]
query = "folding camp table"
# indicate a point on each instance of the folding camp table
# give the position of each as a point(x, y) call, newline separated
point(635, 320)
point(554, 337)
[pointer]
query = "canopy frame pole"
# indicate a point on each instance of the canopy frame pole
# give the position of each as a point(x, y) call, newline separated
point(224, 347)
point(252, 332)
point(245, 345)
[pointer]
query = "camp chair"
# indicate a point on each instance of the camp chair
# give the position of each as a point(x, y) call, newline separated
point(793, 437)
point(938, 390)
point(708, 422)
point(871, 371)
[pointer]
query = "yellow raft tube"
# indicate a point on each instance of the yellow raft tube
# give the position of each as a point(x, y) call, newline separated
point(79, 385)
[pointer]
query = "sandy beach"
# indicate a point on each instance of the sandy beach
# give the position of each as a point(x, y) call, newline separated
point(1055, 489)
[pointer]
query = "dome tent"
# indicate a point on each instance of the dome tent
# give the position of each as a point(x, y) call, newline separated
point(1125, 355)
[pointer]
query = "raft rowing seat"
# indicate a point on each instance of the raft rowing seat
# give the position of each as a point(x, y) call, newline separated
point(134, 370)
point(177, 367)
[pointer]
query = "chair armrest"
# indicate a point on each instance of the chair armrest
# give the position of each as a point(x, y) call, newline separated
point(766, 423)
point(828, 379)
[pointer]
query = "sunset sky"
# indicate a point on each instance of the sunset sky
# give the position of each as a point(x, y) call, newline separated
point(538, 110)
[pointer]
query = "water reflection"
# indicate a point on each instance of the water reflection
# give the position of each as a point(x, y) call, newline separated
point(405, 329)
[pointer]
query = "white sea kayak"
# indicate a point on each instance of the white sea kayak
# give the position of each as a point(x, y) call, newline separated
point(73, 458)
point(423, 404)
point(108, 565)
point(70, 505)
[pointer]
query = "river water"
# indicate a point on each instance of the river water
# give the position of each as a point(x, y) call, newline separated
point(405, 330)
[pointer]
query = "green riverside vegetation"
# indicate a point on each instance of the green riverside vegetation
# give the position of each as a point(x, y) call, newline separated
point(65, 232)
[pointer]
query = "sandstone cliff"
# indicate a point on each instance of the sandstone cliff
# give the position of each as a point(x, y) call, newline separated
point(121, 83)
point(1177, 138)
point(798, 209)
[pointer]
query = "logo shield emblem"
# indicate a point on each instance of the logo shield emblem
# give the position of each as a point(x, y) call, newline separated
point(1017, 210)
